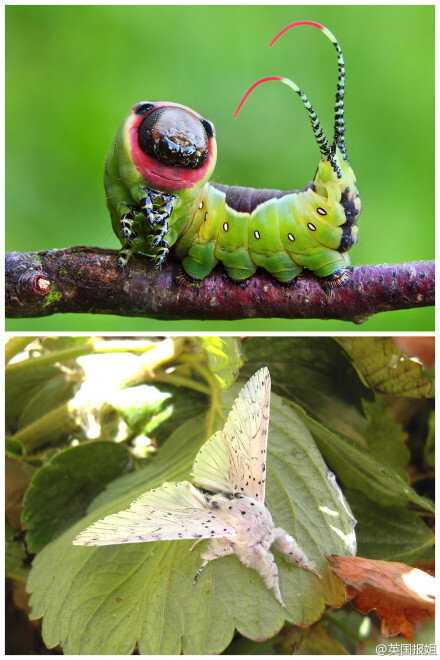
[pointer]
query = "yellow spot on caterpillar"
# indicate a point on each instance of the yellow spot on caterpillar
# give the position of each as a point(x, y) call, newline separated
point(257, 234)
point(225, 226)
point(321, 211)
point(291, 237)
point(311, 227)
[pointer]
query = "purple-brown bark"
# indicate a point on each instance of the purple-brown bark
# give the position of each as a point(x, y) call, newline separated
point(85, 279)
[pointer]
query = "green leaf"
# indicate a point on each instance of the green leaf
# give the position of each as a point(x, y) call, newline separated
point(243, 646)
point(317, 373)
point(357, 468)
point(13, 448)
point(429, 450)
point(386, 368)
point(314, 640)
point(175, 411)
point(16, 345)
point(106, 600)
point(139, 404)
point(389, 533)
point(348, 627)
point(34, 389)
point(15, 554)
point(56, 344)
point(20, 388)
point(224, 358)
point(51, 426)
point(61, 490)
point(50, 395)
point(385, 438)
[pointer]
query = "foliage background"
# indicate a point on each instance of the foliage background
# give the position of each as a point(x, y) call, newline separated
point(74, 71)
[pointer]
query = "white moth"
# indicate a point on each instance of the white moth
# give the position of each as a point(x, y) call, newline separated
point(232, 465)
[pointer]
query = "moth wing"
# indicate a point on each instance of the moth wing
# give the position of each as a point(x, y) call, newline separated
point(211, 465)
point(173, 511)
point(245, 436)
point(234, 461)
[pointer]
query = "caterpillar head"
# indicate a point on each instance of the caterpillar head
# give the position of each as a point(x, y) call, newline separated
point(165, 146)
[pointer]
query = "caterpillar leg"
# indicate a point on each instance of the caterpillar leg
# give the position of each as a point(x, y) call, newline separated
point(127, 224)
point(288, 546)
point(238, 264)
point(162, 225)
point(336, 279)
point(156, 206)
point(147, 202)
point(280, 265)
point(187, 280)
point(330, 266)
point(161, 255)
point(124, 254)
point(200, 260)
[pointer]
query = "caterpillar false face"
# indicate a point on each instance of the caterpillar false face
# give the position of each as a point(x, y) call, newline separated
point(232, 466)
point(159, 196)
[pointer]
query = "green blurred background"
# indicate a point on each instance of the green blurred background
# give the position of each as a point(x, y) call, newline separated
point(73, 72)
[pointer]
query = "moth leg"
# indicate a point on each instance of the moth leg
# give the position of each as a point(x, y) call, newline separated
point(288, 546)
point(216, 549)
point(195, 544)
point(263, 561)
point(205, 563)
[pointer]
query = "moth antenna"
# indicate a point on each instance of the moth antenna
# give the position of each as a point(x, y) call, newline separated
point(339, 129)
point(320, 138)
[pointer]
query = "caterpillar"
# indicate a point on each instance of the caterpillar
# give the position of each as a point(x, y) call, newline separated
point(158, 192)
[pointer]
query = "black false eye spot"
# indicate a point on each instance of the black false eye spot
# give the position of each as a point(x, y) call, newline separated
point(143, 108)
point(321, 211)
point(291, 237)
point(209, 127)
point(311, 227)
point(174, 137)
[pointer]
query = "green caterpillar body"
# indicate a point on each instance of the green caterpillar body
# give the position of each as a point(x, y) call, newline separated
point(159, 196)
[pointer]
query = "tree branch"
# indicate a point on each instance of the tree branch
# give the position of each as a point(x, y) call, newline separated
point(85, 279)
